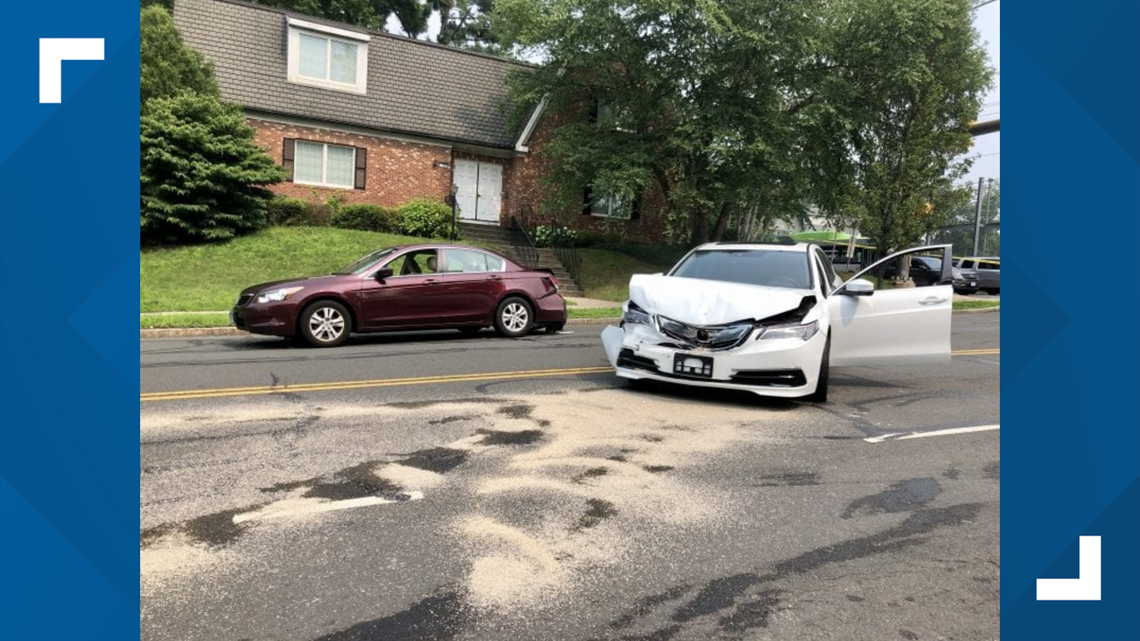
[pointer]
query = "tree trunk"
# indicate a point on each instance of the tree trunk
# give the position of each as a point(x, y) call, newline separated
point(722, 221)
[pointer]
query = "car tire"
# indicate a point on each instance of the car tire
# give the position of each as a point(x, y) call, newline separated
point(554, 328)
point(514, 317)
point(325, 323)
point(993, 292)
point(820, 393)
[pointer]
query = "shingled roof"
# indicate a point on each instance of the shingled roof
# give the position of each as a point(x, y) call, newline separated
point(414, 87)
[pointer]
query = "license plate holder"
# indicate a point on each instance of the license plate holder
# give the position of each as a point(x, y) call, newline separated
point(692, 365)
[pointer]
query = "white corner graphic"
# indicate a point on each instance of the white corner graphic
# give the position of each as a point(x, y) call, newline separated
point(1085, 587)
point(53, 51)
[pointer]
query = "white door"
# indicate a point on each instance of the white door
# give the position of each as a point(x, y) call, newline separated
point(892, 326)
point(467, 179)
point(490, 192)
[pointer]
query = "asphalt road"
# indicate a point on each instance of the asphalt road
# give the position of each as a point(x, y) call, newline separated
point(415, 487)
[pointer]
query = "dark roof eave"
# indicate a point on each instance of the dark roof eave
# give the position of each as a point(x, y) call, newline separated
point(509, 146)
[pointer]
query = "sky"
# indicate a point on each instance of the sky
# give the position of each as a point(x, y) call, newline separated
point(986, 150)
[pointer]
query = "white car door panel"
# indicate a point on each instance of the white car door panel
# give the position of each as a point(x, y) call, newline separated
point(892, 326)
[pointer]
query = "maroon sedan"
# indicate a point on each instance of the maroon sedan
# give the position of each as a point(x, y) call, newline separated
point(405, 288)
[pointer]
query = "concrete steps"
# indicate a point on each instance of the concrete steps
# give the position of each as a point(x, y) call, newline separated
point(499, 238)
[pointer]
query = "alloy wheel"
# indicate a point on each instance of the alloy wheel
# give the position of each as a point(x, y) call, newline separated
point(326, 324)
point(515, 317)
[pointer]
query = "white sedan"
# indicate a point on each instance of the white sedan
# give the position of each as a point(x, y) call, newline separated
point(773, 318)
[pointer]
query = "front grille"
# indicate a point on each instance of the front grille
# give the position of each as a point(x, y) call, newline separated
point(713, 337)
point(629, 360)
point(244, 299)
point(771, 377)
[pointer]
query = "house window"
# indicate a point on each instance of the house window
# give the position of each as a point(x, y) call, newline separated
point(611, 206)
point(328, 57)
point(318, 163)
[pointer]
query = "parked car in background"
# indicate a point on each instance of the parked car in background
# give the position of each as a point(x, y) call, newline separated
point(988, 269)
point(406, 288)
point(927, 270)
point(772, 319)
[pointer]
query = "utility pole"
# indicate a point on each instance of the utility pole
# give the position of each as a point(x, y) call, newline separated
point(978, 214)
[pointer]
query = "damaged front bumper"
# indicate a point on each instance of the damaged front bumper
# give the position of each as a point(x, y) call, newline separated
point(786, 368)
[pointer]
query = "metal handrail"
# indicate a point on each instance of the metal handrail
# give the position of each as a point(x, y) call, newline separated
point(522, 246)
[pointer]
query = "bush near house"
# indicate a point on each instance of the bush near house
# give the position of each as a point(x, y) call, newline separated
point(367, 218)
point(426, 218)
point(294, 212)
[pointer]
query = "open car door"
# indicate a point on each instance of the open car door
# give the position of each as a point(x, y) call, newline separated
point(893, 326)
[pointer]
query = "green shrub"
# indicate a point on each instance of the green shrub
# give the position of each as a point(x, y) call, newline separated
point(201, 175)
point(295, 212)
point(425, 218)
point(366, 218)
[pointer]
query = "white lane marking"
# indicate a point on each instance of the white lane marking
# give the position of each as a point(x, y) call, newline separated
point(902, 436)
point(289, 508)
point(1086, 587)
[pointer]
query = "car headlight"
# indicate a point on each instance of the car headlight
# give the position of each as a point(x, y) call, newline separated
point(791, 330)
point(634, 314)
point(277, 295)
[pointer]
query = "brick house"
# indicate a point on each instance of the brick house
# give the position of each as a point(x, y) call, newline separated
point(382, 119)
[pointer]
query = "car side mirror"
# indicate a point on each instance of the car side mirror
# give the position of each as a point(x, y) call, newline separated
point(859, 287)
point(382, 273)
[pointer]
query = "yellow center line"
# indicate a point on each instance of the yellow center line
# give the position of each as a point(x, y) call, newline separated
point(384, 382)
point(418, 380)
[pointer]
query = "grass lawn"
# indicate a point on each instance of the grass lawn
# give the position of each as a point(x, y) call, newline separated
point(209, 277)
point(975, 304)
point(606, 273)
point(181, 321)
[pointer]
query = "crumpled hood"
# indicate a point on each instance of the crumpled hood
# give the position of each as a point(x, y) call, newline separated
point(709, 302)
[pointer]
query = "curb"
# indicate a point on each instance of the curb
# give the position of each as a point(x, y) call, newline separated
point(233, 331)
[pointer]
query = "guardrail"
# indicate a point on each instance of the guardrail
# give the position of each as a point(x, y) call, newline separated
point(563, 246)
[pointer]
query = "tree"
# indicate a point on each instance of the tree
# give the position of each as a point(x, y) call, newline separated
point(369, 14)
point(202, 176)
point(700, 100)
point(468, 24)
point(167, 66)
point(908, 78)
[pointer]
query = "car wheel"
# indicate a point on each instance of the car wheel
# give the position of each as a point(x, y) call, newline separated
point(820, 394)
point(554, 328)
point(992, 292)
point(325, 323)
point(514, 317)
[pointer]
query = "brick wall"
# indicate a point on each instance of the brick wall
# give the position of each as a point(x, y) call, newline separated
point(397, 171)
point(529, 192)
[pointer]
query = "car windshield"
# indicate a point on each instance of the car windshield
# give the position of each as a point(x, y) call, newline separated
point(362, 265)
point(768, 267)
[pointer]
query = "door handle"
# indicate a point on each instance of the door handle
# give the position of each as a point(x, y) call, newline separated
point(431, 281)
point(494, 277)
point(933, 300)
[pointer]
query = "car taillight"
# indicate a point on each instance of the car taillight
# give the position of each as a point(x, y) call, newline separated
point(550, 282)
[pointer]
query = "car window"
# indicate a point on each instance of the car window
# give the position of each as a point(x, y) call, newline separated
point(769, 267)
point(824, 283)
point(466, 261)
point(828, 269)
point(365, 263)
point(414, 263)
